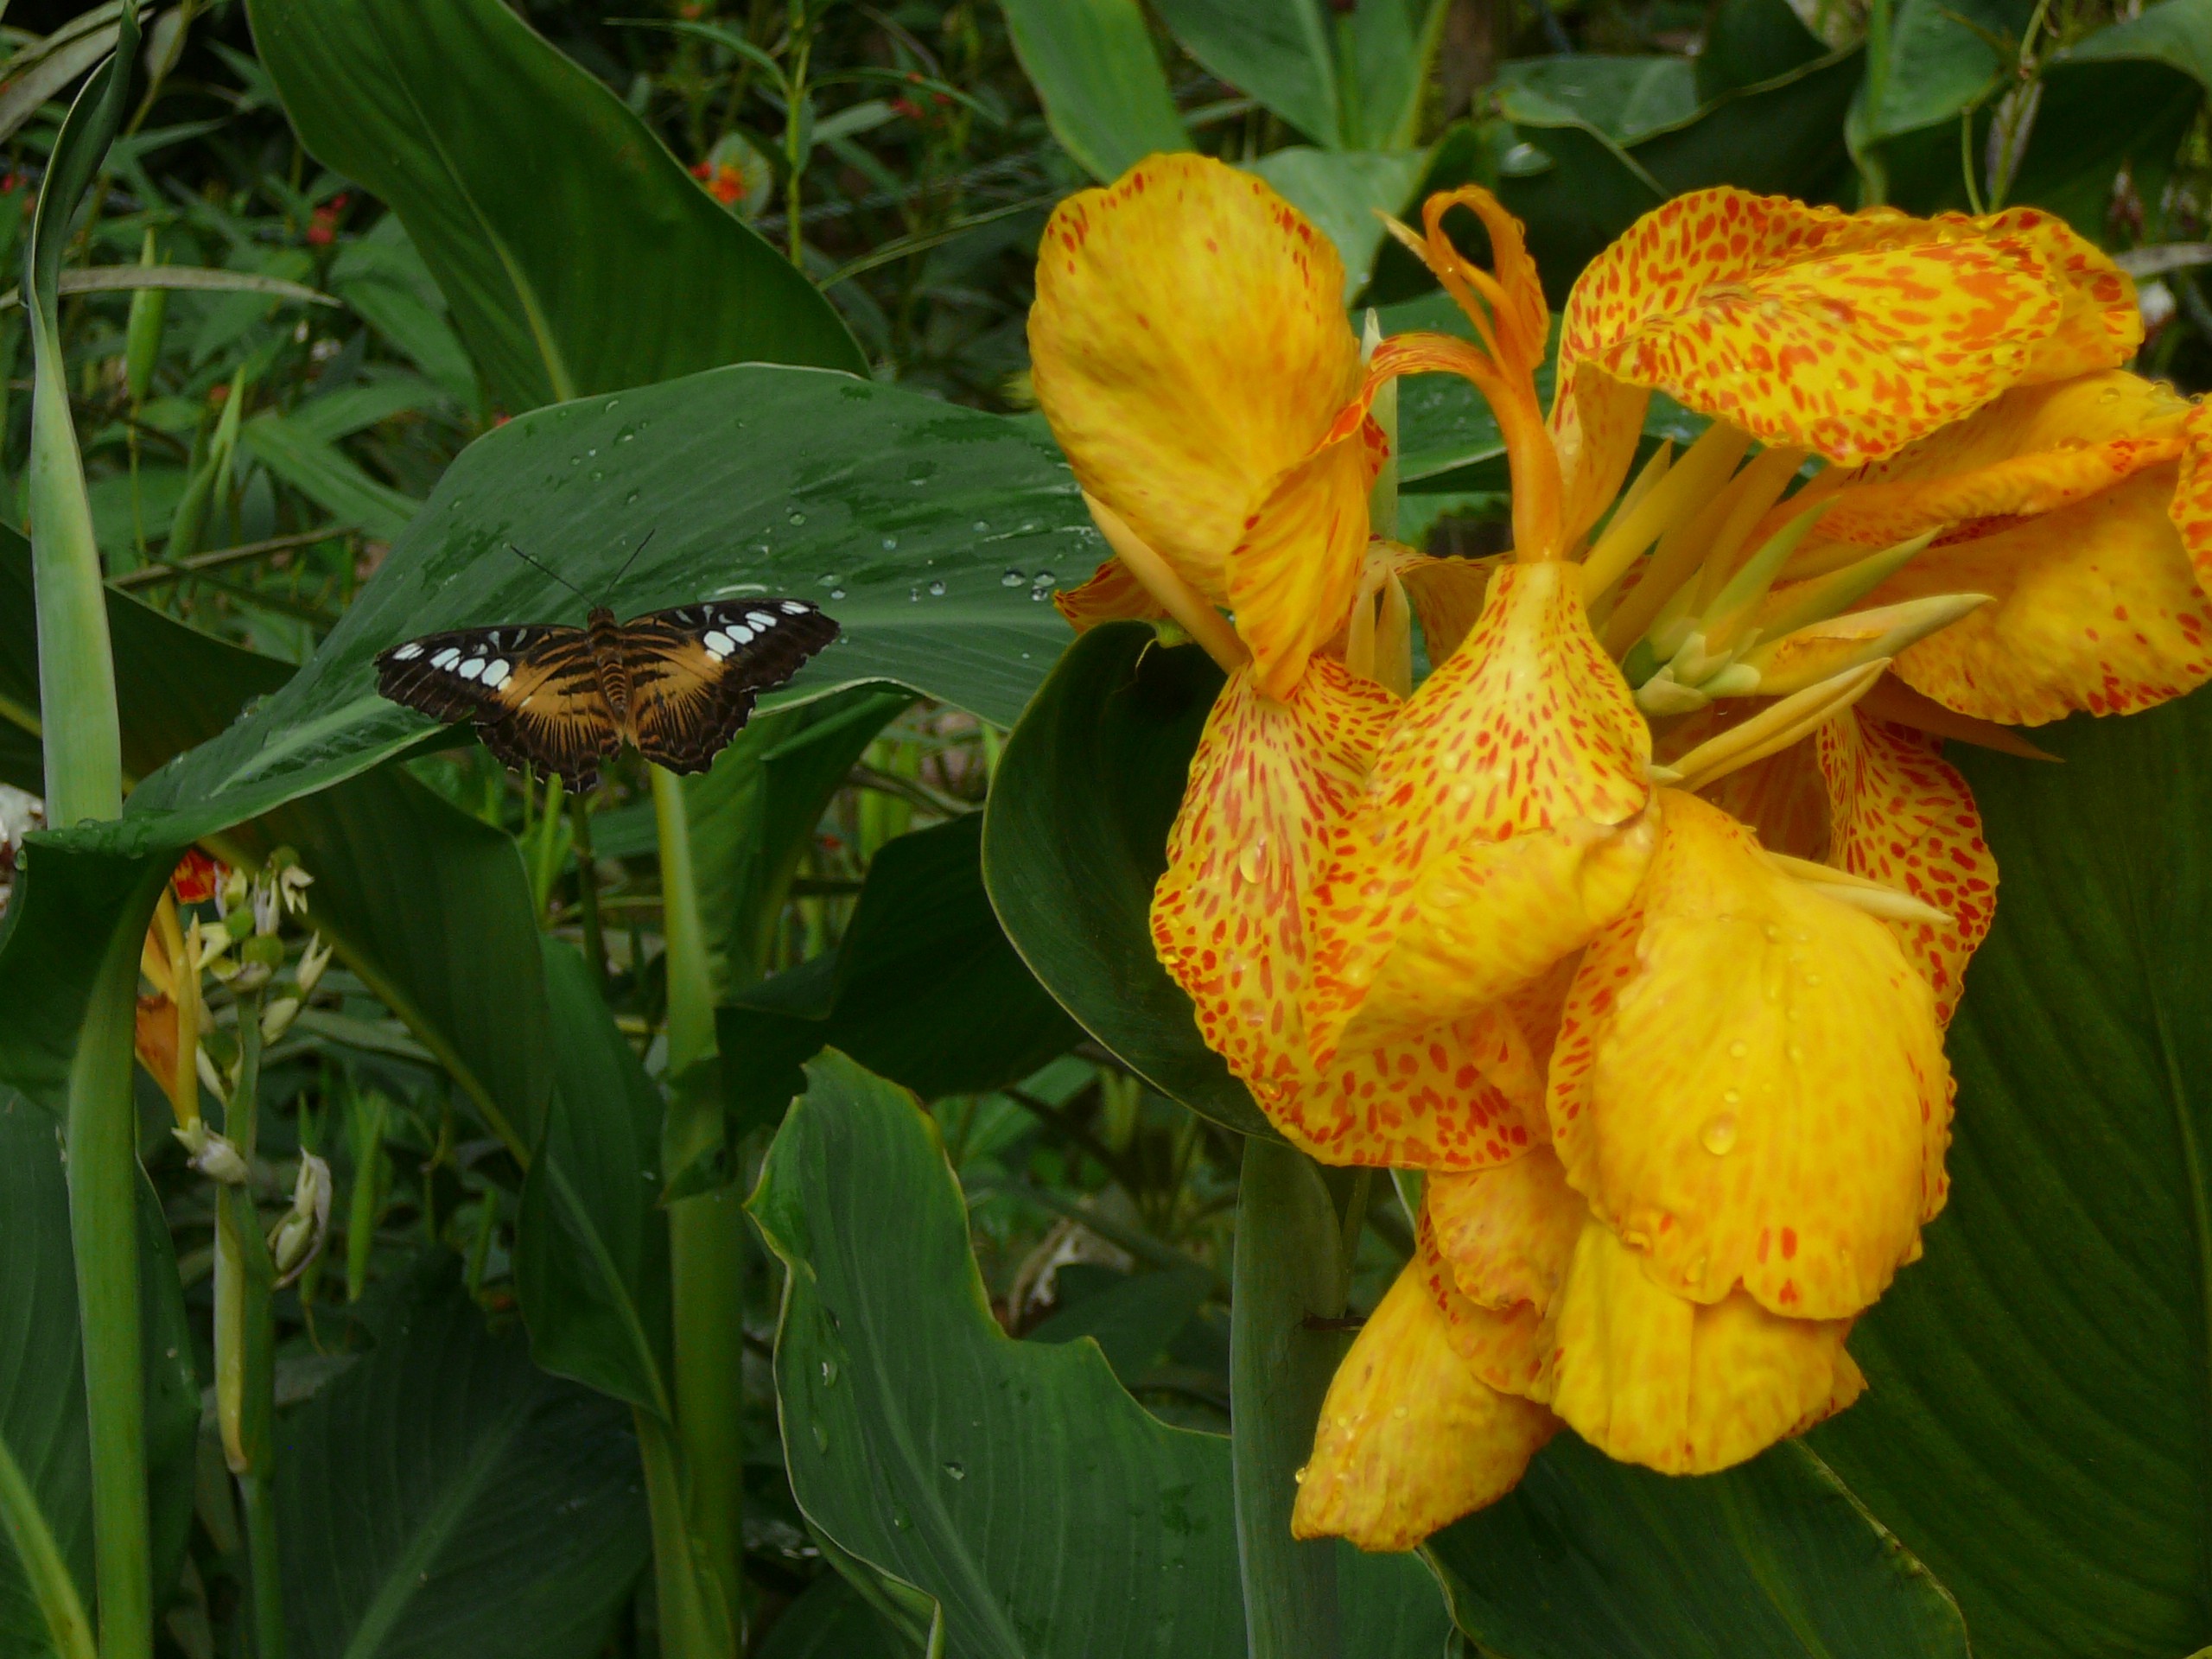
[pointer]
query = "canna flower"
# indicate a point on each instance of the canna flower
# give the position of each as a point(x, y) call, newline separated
point(1636, 925)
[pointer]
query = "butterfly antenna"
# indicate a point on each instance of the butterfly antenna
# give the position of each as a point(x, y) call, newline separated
point(631, 559)
point(550, 571)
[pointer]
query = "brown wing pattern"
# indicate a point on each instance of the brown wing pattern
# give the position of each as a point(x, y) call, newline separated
point(695, 670)
point(532, 692)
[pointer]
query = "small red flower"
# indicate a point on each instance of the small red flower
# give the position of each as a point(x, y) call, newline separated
point(196, 877)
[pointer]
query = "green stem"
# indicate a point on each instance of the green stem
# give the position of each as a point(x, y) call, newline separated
point(692, 1624)
point(255, 1492)
point(102, 1139)
point(588, 888)
point(1289, 1268)
point(246, 1343)
point(1873, 172)
point(706, 1239)
point(24, 1524)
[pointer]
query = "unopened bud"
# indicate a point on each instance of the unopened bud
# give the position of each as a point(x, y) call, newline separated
point(312, 961)
point(277, 1019)
point(214, 1156)
point(298, 1239)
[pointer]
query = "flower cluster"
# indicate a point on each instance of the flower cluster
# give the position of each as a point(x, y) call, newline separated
point(1636, 926)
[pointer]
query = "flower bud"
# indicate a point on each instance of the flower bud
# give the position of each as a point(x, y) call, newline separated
point(214, 1156)
point(312, 961)
point(297, 1239)
point(277, 1019)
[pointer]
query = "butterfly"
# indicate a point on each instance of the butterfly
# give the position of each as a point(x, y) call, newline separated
point(676, 684)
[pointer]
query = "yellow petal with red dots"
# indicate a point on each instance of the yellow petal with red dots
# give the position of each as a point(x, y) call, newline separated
point(1507, 1232)
point(2101, 325)
point(1189, 346)
point(1597, 423)
point(1410, 1440)
point(1229, 923)
point(1848, 335)
point(1749, 1085)
point(1447, 597)
point(1111, 595)
point(1901, 815)
point(1679, 1386)
point(1506, 1346)
point(1499, 828)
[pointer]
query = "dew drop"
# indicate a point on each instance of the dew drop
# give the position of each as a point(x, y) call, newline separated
point(914, 595)
point(820, 1438)
point(631, 500)
point(1012, 579)
point(1043, 579)
point(936, 590)
point(836, 593)
point(1718, 1134)
point(901, 1520)
point(610, 407)
point(958, 1471)
point(981, 525)
point(830, 580)
point(1299, 1476)
point(1253, 860)
point(829, 1372)
point(591, 452)
point(798, 517)
point(891, 544)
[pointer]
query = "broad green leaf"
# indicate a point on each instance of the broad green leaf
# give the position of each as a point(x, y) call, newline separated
point(930, 532)
point(578, 255)
point(1393, 45)
point(383, 278)
point(591, 1245)
point(1281, 53)
point(1096, 72)
point(2034, 1424)
point(1747, 42)
point(831, 1620)
point(43, 1394)
point(923, 989)
point(1076, 837)
point(1133, 1321)
point(1016, 1484)
point(1341, 191)
point(445, 1497)
point(1581, 173)
point(1590, 1559)
point(753, 814)
point(318, 469)
point(123, 279)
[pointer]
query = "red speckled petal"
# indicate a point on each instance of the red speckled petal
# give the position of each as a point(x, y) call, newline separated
point(1749, 1085)
point(1505, 1345)
point(1680, 1387)
point(1507, 1232)
point(1499, 828)
point(1189, 346)
point(1409, 1439)
point(1901, 815)
point(2101, 325)
point(1229, 922)
point(1848, 335)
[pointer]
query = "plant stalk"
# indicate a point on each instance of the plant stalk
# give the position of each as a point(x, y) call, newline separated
point(245, 1343)
point(707, 1240)
point(1289, 1268)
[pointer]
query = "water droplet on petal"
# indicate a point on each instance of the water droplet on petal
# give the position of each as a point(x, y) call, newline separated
point(1718, 1134)
point(1252, 861)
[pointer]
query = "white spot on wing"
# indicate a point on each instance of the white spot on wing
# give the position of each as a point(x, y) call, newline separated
point(446, 659)
point(717, 644)
point(742, 634)
point(407, 653)
point(472, 668)
point(760, 618)
point(496, 675)
point(792, 607)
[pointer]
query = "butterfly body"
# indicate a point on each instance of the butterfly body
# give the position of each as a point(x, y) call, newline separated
point(676, 684)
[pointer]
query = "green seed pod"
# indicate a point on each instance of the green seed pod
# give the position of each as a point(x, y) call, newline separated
point(141, 338)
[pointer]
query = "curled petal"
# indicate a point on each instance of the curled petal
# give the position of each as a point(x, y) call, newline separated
point(1685, 1388)
point(2101, 325)
point(1506, 1346)
point(1229, 923)
point(1507, 1232)
point(2032, 451)
point(1596, 422)
point(1499, 828)
point(1190, 347)
point(1902, 816)
point(1447, 598)
point(1749, 1085)
point(1410, 1440)
point(1111, 594)
point(1848, 335)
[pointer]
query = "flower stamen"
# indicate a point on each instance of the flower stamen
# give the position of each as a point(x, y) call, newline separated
point(1771, 730)
point(1177, 597)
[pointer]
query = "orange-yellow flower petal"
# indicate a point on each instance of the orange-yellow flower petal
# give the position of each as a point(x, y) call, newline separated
point(1849, 334)
point(1447, 598)
point(1111, 593)
point(1507, 1232)
point(2101, 325)
point(1749, 1085)
point(1409, 1439)
point(1506, 1346)
point(1190, 347)
point(1685, 1388)
point(1228, 920)
point(1901, 815)
point(1498, 829)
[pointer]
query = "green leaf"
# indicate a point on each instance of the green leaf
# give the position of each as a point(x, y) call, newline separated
point(591, 1245)
point(42, 1395)
point(383, 279)
point(831, 1620)
point(444, 1497)
point(1341, 191)
point(1076, 837)
point(1590, 1559)
point(863, 497)
point(753, 814)
point(1280, 53)
point(324, 474)
point(923, 989)
point(1394, 46)
point(1620, 98)
point(2034, 1426)
point(1016, 1484)
point(1751, 40)
point(578, 255)
point(1133, 1321)
point(1095, 70)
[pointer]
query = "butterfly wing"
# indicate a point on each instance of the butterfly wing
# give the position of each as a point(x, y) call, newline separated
point(695, 670)
point(532, 692)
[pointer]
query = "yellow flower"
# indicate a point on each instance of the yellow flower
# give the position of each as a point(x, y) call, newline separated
point(1637, 922)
